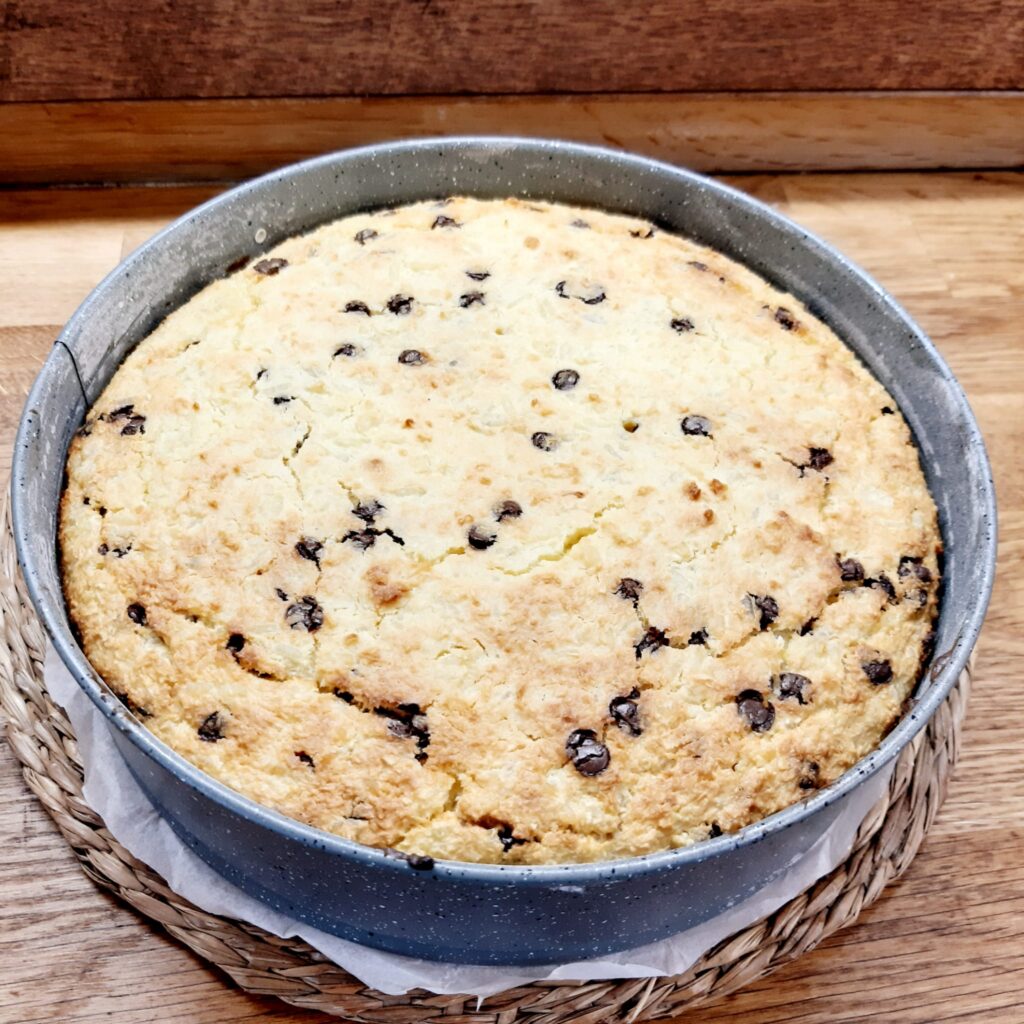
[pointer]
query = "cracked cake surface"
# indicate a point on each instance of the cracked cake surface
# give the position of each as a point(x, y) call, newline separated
point(502, 531)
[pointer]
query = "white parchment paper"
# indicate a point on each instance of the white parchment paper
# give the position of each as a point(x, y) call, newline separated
point(117, 798)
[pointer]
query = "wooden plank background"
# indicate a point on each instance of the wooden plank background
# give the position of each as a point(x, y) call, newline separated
point(204, 140)
point(126, 49)
point(945, 944)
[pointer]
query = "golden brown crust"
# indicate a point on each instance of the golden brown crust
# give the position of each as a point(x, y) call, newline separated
point(493, 537)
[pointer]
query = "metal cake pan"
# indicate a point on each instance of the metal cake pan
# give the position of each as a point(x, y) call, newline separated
point(473, 913)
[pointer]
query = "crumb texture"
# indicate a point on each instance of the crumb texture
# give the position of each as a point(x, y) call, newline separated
point(502, 531)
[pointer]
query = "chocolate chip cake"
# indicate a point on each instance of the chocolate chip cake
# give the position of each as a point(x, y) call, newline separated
point(502, 531)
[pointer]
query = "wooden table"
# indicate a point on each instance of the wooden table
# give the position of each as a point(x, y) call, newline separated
point(946, 943)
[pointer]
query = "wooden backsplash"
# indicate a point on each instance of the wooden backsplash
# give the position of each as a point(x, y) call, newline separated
point(160, 49)
point(172, 90)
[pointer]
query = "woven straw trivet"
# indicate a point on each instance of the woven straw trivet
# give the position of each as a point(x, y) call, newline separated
point(41, 737)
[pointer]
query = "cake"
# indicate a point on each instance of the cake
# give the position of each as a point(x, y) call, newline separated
point(502, 531)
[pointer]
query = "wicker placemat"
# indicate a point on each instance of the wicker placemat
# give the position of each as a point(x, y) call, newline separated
point(40, 735)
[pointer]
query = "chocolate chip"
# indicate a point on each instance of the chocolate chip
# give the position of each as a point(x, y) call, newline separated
point(137, 613)
point(590, 300)
point(357, 307)
point(906, 566)
point(641, 233)
point(807, 627)
point(364, 539)
point(478, 275)
point(281, 594)
point(305, 613)
point(102, 511)
point(103, 549)
point(919, 597)
point(697, 265)
point(479, 538)
point(417, 723)
point(760, 715)
point(344, 695)
point(544, 441)
point(928, 646)
point(698, 638)
point(361, 539)
point(507, 839)
point(588, 754)
point(135, 422)
point(400, 305)
point(261, 373)
point(400, 729)
point(715, 831)
point(310, 548)
point(910, 566)
point(411, 357)
point(629, 589)
point(283, 399)
point(348, 350)
point(212, 728)
point(579, 223)
point(810, 779)
point(406, 721)
point(236, 642)
point(850, 570)
point(236, 265)
point(362, 237)
point(819, 459)
point(507, 509)
point(767, 606)
point(136, 425)
point(471, 299)
point(368, 510)
point(888, 411)
point(785, 319)
point(268, 268)
point(441, 221)
point(565, 380)
point(681, 324)
point(419, 863)
point(305, 759)
point(135, 709)
point(652, 640)
point(792, 685)
point(626, 712)
point(86, 500)
point(696, 426)
point(879, 672)
point(882, 582)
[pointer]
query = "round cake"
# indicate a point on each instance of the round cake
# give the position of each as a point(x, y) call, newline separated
point(502, 531)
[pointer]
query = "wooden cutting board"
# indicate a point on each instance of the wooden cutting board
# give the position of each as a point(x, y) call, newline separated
point(945, 943)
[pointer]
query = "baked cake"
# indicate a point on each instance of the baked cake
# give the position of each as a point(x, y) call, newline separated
point(502, 531)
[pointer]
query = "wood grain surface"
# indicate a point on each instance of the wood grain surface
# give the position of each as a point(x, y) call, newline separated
point(944, 944)
point(123, 49)
point(204, 140)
